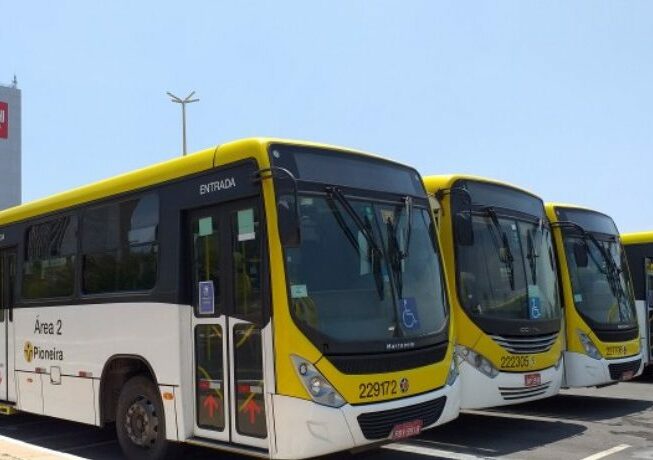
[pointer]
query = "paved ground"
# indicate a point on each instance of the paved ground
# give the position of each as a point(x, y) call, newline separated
point(589, 424)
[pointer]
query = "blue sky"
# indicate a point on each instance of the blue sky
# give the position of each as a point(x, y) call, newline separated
point(553, 96)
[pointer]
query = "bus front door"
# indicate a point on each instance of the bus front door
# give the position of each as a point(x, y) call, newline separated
point(227, 284)
point(7, 297)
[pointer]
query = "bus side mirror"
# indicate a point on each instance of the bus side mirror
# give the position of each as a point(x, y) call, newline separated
point(580, 254)
point(289, 222)
point(463, 228)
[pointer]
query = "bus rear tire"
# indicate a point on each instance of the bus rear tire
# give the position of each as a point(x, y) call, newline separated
point(140, 421)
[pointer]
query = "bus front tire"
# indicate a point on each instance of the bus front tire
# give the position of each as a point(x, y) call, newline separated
point(140, 421)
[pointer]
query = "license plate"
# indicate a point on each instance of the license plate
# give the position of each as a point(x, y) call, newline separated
point(627, 375)
point(406, 430)
point(532, 380)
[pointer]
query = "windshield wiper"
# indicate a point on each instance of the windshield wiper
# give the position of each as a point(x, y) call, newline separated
point(532, 251)
point(408, 205)
point(343, 225)
point(375, 254)
point(505, 254)
point(396, 253)
point(609, 268)
point(613, 273)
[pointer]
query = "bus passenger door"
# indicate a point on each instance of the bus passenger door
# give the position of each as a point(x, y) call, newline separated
point(226, 248)
point(7, 298)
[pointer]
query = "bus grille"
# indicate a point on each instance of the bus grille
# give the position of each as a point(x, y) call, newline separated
point(362, 364)
point(617, 370)
point(526, 345)
point(378, 425)
point(516, 393)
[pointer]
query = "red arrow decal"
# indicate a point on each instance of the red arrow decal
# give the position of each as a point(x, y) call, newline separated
point(211, 404)
point(253, 409)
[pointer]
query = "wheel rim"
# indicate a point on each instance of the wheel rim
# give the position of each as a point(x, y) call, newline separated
point(141, 422)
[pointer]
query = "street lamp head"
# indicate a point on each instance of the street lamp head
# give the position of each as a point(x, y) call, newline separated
point(183, 103)
point(173, 97)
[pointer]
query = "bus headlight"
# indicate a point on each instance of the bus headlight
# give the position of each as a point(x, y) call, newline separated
point(320, 390)
point(453, 371)
point(477, 360)
point(588, 345)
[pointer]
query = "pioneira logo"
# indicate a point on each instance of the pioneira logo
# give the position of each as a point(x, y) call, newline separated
point(4, 120)
point(32, 352)
point(28, 350)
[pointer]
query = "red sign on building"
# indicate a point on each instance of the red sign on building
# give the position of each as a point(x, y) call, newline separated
point(4, 120)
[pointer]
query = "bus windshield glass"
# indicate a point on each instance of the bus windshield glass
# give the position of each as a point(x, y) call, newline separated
point(600, 279)
point(507, 270)
point(365, 271)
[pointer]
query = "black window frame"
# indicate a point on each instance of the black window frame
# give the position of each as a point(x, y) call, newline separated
point(23, 258)
point(311, 187)
point(155, 244)
point(227, 280)
point(177, 197)
point(504, 326)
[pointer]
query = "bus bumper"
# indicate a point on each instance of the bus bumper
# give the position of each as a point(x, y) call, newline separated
point(583, 371)
point(305, 429)
point(481, 391)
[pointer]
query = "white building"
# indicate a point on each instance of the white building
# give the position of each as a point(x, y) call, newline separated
point(10, 146)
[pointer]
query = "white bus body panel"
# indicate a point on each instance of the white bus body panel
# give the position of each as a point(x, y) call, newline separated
point(30, 392)
point(305, 429)
point(480, 391)
point(583, 371)
point(184, 392)
point(169, 412)
point(82, 338)
point(72, 399)
point(644, 331)
point(8, 384)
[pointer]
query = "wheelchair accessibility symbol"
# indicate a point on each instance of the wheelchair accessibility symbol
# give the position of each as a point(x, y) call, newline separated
point(409, 316)
point(534, 306)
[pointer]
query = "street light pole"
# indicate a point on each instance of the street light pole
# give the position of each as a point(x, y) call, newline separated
point(183, 102)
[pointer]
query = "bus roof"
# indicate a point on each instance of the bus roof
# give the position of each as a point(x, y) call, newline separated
point(156, 174)
point(550, 207)
point(446, 181)
point(553, 204)
point(637, 237)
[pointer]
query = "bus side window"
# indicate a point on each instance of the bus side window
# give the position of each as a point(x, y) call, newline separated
point(49, 264)
point(119, 246)
point(206, 265)
point(246, 249)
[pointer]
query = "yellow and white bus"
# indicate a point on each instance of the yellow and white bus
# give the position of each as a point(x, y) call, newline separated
point(639, 252)
point(499, 259)
point(276, 298)
point(602, 338)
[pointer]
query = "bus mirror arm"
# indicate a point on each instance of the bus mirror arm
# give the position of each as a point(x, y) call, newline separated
point(289, 224)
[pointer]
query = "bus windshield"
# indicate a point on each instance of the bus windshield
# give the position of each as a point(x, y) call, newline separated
point(365, 271)
point(509, 270)
point(600, 283)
